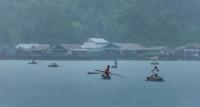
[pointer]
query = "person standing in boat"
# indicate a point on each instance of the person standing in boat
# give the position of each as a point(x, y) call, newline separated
point(107, 71)
point(33, 61)
point(115, 66)
point(155, 69)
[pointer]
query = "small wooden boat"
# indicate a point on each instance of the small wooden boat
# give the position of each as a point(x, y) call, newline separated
point(106, 77)
point(154, 77)
point(155, 63)
point(53, 65)
point(33, 62)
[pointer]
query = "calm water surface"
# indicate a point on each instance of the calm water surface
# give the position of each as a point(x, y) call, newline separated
point(23, 85)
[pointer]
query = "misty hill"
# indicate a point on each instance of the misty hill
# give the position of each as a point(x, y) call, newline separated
point(148, 22)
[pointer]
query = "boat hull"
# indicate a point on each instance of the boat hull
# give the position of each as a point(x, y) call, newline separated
point(154, 79)
point(115, 67)
point(33, 63)
point(52, 66)
point(106, 77)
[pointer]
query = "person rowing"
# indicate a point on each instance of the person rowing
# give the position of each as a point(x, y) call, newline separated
point(106, 74)
point(107, 71)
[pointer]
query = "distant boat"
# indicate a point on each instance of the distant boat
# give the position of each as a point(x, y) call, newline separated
point(155, 63)
point(115, 64)
point(53, 65)
point(154, 77)
point(33, 62)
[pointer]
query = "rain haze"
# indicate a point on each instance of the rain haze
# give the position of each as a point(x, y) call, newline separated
point(99, 53)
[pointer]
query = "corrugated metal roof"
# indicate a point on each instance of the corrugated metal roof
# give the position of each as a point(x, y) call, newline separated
point(130, 46)
point(71, 46)
point(189, 46)
point(135, 46)
point(111, 46)
point(156, 48)
point(93, 46)
point(95, 43)
point(26, 46)
point(98, 40)
point(41, 47)
point(81, 49)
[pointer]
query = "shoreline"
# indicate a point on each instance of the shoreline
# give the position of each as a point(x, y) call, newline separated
point(92, 59)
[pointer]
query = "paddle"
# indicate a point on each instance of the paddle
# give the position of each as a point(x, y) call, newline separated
point(118, 75)
point(94, 73)
point(99, 70)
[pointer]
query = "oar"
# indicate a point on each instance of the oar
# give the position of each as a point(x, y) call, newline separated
point(118, 75)
point(99, 70)
point(94, 73)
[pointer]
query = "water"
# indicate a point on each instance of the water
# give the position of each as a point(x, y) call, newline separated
point(23, 85)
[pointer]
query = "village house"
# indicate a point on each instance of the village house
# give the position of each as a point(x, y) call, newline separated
point(40, 50)
point(80, 52)
point(130, 49)
point(134, 50)
point(56, 51)
point(111, 51)
point(189, 51)
point(25, 49)
point(74, 50)
point(153, 51)
point(95, 43)
point(98, 47)
point(70, 48)
point(95, 46)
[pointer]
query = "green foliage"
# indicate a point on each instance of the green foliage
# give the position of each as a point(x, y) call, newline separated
point(148, 22)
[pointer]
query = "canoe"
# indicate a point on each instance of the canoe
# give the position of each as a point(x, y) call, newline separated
point(106, 77)
point(32, 63)
point(155, 63)
point(154, 79)
point(52, 65)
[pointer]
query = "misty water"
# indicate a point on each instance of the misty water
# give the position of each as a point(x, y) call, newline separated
point(24, 85)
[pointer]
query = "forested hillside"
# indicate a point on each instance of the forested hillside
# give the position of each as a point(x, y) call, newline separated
point(149, 22)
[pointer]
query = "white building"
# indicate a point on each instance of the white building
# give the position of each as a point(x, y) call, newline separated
point(95, 43)
point(26, 46)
